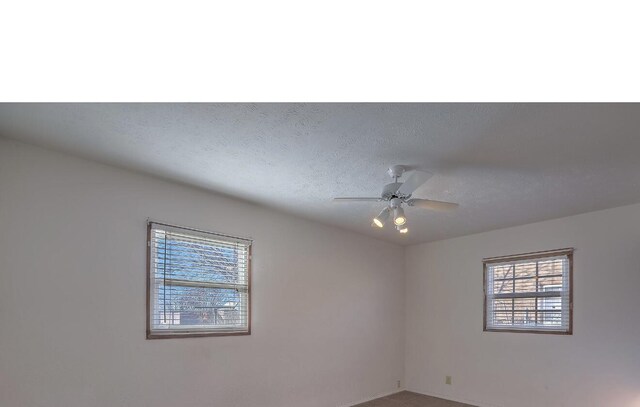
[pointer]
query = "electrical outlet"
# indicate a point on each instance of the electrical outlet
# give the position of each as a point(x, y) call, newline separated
point(447, 379)
point(398, 384)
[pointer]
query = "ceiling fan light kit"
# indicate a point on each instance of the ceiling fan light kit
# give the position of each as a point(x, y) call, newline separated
point(398, 216)
point(402, 229)
point(380, 220)
point(398, 193)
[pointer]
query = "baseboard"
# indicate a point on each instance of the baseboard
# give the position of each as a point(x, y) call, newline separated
point(458, 399)
point(373, 398)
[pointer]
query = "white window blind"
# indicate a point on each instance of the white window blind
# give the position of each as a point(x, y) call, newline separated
point(198, 283)
point(529, 293)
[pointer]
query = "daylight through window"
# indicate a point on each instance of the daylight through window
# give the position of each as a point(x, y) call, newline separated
point(529, 292)
point(198, 283)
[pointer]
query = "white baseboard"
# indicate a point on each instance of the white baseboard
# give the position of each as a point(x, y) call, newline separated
point(373, 398)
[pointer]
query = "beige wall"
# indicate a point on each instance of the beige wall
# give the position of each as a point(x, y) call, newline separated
point(327, 304)
point(599, 365)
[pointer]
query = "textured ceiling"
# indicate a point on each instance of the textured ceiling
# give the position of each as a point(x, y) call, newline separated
point(505, 164)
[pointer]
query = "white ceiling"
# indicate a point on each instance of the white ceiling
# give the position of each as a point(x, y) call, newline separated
point(506, 164)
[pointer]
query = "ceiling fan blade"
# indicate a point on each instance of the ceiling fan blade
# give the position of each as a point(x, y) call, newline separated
point(357, 199)
point(434, 205)
point(416, 179)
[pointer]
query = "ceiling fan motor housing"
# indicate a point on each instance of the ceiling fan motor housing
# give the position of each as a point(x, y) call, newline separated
point(389, 190)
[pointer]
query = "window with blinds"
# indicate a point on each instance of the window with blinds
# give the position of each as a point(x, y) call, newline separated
point(529, 292)
point(198, 283)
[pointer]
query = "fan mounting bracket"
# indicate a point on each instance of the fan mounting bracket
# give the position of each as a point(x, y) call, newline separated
point(396, 171)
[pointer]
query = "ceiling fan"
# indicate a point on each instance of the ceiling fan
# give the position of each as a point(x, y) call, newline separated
point(398, 193)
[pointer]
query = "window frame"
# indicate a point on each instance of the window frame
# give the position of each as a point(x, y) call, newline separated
point(530, 256)
point(154, 334)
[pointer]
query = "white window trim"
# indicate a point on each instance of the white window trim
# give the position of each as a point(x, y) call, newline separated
point(534, 256)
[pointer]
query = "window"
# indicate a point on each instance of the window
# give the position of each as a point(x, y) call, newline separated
point(529, 292)
point(198, 283)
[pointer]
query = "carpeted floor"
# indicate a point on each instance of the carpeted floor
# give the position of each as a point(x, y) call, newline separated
point(409, 399)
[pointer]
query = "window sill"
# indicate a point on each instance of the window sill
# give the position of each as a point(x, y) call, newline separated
point(171, 335)
point(530, 331)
